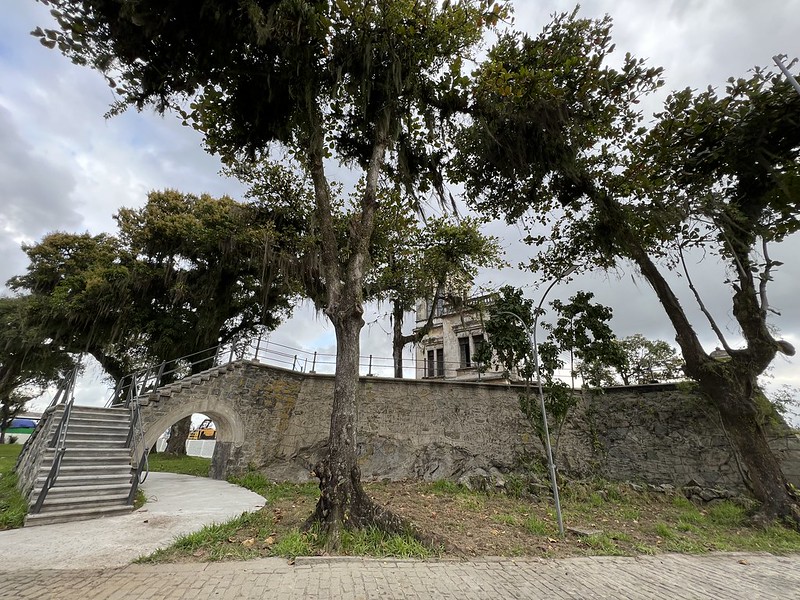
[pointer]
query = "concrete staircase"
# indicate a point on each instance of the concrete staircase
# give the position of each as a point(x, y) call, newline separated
point(95, 477)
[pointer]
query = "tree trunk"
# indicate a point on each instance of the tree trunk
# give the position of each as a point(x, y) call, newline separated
point(176, 444)
point(741, 417)
point(398, 342)
point(731, 386)
point(343, 502)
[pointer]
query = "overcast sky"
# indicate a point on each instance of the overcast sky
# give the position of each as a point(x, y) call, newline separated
point(64, 167)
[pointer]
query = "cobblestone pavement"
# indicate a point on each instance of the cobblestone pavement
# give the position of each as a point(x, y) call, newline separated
point(715, 576)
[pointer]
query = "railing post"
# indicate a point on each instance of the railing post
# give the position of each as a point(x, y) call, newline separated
point(305, 364)
point(369, 373)
point(230, 356)
point(314, 364)
point(294, 362)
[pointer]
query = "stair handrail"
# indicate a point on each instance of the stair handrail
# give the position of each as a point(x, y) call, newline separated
point(150, 379)
point(57, 398)
point(142, 464)
point(60, 436)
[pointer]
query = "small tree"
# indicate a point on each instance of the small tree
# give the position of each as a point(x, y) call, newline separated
point(581, 330)
point(430, 261)
point(648, 361)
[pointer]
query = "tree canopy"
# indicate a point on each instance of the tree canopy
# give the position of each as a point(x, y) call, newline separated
point(716, 172)
point(371, 84)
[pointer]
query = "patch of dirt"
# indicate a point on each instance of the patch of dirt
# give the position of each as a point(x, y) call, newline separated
point(600, 519)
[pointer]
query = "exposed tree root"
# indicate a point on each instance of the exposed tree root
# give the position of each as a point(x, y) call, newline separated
point(343, 504)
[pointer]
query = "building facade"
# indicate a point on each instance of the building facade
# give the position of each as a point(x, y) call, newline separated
point(448, 350)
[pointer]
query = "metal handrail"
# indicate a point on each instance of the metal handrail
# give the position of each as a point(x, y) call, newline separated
point(143, 464)
point(140, 382)
point(60, 437)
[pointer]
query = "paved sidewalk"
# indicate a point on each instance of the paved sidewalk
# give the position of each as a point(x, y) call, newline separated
point(711, 577)
point(176, 505)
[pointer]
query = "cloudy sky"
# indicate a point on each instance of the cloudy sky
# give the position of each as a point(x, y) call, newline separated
point(64, 167)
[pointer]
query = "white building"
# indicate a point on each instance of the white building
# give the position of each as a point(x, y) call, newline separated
point(447, 351)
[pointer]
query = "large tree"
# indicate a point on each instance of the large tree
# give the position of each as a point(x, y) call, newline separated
point(715, 173)
point(29, 359)
point(365, 82)
point(184, 274)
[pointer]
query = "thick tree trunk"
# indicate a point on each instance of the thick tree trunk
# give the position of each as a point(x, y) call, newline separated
point(731, 386)
point(343, 502)
point(741, 417)
point(176, 444)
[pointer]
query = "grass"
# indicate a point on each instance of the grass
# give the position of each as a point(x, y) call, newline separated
point(13, 506)
point(274, 492)
point(184, 465)
point(474, 523)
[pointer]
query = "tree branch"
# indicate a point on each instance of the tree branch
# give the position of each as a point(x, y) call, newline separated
point(765, 278)
point(702, 306)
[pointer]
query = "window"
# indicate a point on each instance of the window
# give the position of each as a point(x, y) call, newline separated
point(438, 310)
point(477, 344)
point(463, 346)
point(434, 363)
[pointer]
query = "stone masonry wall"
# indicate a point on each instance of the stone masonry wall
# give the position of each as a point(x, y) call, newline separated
point(276, 421)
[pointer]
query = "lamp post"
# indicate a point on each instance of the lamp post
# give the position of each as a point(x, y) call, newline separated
point(535, 348)
point(785, 70)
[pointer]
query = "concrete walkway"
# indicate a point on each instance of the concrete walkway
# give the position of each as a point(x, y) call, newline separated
point(176, 505)
point(711, 577)
point(90, 560)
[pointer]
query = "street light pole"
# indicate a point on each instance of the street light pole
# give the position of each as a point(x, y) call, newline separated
point(535, 347)
point(785, 70)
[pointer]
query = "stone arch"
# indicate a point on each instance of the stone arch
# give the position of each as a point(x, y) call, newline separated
point(230, 428)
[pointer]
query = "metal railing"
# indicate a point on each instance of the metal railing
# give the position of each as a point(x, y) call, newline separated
point(64, 395)
point(136, 443)
point(264, 351)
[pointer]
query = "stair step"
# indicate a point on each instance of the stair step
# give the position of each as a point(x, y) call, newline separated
point(94, 412)
point(93, 425)
point(97, 433)
point(97, 454)
point(81, 502)
point(74, 480)
point(64, 516)
point(68, 471)
point(78, 491)
point(114, 444)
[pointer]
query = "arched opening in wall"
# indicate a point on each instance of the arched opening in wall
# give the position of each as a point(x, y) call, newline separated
point(213, 434)
point(199, 441)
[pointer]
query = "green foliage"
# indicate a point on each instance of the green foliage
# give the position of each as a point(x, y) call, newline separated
point(374, 542)
point(582, 330)
point(184, 465)
point(183, 273)
point(295, 543)
point(536, 526)
point(648, 361)
point(210, 541)
point(13, 507)
point(506, 334)
point(727, 514)
point(29, 359)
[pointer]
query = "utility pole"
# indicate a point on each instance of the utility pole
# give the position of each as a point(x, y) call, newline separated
point(779, 58)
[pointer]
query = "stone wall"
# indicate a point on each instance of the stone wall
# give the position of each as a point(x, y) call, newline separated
point(277, 422)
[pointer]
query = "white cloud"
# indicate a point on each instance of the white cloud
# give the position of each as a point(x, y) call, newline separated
point(63, 166)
